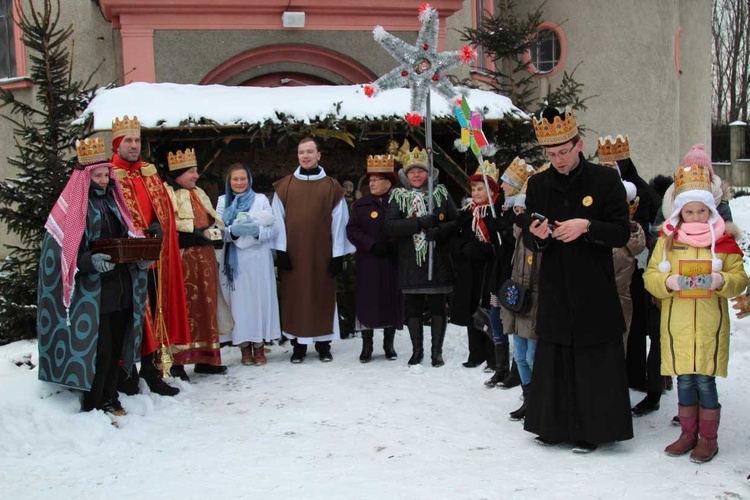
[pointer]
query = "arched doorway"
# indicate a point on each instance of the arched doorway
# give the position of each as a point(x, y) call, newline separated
point(312, 65)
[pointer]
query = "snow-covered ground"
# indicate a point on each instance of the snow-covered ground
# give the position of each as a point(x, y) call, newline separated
point(346, 430)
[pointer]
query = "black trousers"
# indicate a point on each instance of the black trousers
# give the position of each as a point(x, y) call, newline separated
point(112, 327)
point(639, 331)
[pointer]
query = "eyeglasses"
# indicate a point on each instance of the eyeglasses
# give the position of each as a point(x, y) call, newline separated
point(559, 154)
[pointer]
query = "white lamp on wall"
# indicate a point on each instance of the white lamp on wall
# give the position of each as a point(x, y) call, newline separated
point(293, 19)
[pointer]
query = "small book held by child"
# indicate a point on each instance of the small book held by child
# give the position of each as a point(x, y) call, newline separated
point(692, 268)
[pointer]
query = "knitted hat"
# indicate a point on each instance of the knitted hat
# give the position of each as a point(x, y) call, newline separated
point(692, 183)
point(697, 156)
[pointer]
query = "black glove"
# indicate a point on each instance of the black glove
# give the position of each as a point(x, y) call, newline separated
point(428, 221)
point(432, 234)
point(380, 249)
point(477, 250)
point(335, 266)
point(283, 261)
point(155, 230)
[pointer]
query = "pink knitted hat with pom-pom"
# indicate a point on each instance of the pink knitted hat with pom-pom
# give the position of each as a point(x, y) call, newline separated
point(697, 156)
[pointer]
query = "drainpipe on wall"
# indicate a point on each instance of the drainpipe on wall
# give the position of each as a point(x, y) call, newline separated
point(740, 165)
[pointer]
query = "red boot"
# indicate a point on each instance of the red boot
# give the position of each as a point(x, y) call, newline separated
point(689, 436)
point(708, 424)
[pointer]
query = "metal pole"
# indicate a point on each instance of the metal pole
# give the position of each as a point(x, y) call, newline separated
point(430, 184)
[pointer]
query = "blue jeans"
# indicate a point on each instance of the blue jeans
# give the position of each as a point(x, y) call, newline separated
point(523, 353)
point(694, 388)
point(496, 323)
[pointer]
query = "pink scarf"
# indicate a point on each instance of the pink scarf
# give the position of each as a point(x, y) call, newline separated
point(67, 221)
point(697, 234)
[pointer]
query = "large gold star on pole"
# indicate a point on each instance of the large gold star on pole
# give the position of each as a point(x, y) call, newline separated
point(422, 67)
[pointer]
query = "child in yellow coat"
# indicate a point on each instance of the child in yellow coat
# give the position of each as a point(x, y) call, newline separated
point(695, 331)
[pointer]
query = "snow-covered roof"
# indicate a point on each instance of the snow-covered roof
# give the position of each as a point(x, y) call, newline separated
point(169, 105)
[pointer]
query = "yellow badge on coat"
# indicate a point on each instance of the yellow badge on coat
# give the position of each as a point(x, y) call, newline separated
point(374, 214)
point(441, 216)
point(587, 201)
point(530, 259)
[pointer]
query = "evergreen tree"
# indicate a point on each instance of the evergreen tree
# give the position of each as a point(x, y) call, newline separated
point(506, 37)
point(44, 137)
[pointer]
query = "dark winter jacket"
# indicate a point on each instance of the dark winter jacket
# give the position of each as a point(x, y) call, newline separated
point(379, 302)
point(116, 285)
point(411, 276)
point(578, 301)
point(474, 262)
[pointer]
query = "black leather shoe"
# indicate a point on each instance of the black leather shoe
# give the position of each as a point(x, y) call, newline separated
point(584, 447)
point(648, 405)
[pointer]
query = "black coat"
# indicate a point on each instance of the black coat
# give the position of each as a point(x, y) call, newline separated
point(410, 275)
point(474, 263)
point(116, 285)
point(379, 302)
point(578, 301)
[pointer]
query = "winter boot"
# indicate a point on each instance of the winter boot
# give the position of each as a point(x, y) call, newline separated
point(489, 349)
point(501, 371)
point(299, 352)
point(520, 413)
point(178, 371)
point(417, 339)
point(206, 369)
point(324, 351)
point(259, 353)
point(476, 354)
point(366, 355)
point(388, 336)
point(708, 427)
point(513, 379)
point(152, 376)
point(127, 383)
point(246, 348)
point(689, 435)
point(437, 327)
point(649, 404)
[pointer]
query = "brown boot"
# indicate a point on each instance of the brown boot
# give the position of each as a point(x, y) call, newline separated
point(689, 436)
point(247, 353)
point(259, 353)
point(708, 427)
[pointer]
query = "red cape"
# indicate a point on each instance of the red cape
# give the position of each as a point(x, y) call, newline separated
point(142, 187)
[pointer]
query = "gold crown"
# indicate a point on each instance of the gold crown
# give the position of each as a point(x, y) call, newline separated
point(517, 173)
point(380, 164)
point(690, 178)
point(537, 171)
point(490, 169)
point(126, 126)
point(610, 150)
point(414, 158)
point(91, 151)
point(559, 131)
point(180, 160)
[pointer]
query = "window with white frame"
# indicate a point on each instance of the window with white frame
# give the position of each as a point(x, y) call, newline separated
point(545, 54)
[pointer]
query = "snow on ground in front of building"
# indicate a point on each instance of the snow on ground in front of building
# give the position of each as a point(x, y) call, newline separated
point(346, 430)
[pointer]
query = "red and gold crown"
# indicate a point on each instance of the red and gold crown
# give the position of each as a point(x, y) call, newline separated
point(691, 177)
point(610, 150)
point(126, 126)
point(559, 131)
point(415, 158)
point(517, 173)
point(180, 160)
point(380, 164)
point(91, 151)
